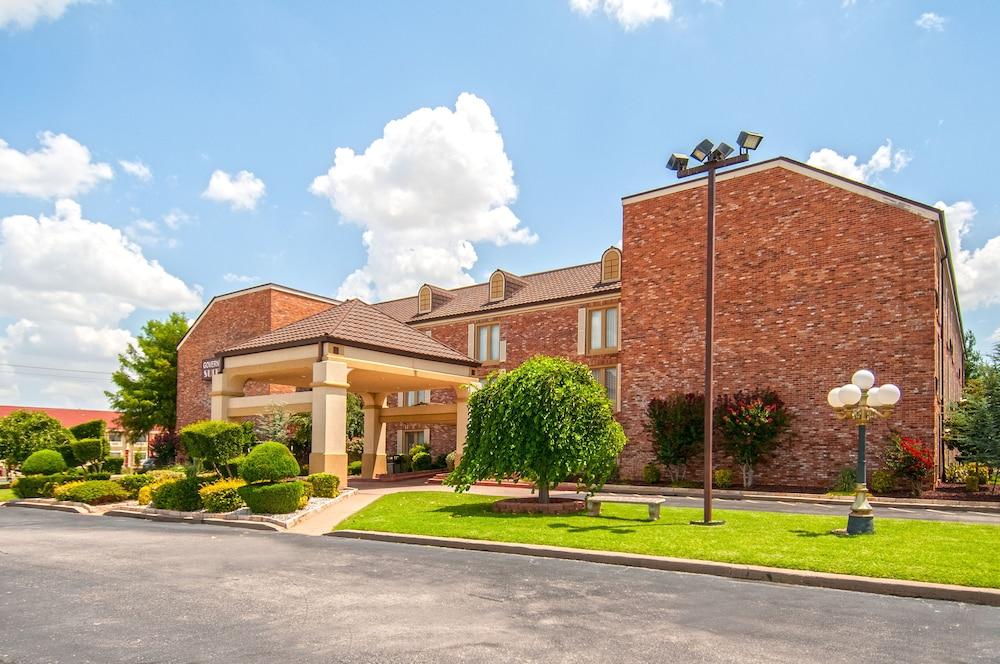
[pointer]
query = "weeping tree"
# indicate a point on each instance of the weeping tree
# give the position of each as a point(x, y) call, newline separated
point(546, 421)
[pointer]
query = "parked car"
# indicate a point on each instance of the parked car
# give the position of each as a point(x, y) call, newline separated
point(149, 463)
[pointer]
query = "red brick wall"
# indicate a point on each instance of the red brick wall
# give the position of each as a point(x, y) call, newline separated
point(226, 323)
point(812, 283)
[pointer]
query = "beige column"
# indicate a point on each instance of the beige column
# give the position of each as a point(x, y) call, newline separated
point(373, 458)
point(461, 419)
point(329, 419)
point(224, 387)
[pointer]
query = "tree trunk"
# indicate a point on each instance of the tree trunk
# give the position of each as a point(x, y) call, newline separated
point(543, 491)
point(747, 475)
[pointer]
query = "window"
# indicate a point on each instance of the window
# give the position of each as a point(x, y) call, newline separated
point(409, 439)
point(602, 330)
point(416, 397)
point(424, 300)
point(498, 286)
point(608, 378)
point(611, 265)
point(488, 343)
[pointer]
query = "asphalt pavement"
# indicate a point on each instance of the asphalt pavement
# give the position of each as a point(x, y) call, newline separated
point(106, 590)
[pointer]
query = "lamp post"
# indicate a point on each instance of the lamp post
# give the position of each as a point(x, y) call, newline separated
point(713, 157)
point(861, 402)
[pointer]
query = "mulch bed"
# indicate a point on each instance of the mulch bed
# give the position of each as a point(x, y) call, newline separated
point(532, 506)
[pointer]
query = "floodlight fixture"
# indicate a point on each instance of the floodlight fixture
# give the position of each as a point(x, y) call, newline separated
point(721, 151)
point(702, 151)
point(749, 140)
point(677, 162)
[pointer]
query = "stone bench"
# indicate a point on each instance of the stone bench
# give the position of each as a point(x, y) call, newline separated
point(652, 502)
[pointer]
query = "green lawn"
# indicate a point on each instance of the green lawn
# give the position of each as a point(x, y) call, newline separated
point(6, 494)
point(940, 552)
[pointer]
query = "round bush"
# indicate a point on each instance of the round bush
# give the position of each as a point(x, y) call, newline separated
point(449, 461)
point(354, 468)
point(180, 495)
point(43, 462)
point(222, 496)
point(421, 461)
point(269, 462)
point(280, 498)
point(325, 485)
point(94, 492)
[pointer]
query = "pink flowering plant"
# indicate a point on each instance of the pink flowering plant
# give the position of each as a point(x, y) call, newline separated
point(751, 425)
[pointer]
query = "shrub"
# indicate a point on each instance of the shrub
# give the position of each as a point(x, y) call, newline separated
point(723, 478)
point(222, 496)
point(325, 485)
point(650, 473)
point(355, 448)
point(93, 429)
point(40, 486)
point(421, 461)
point(88, 450)
point(751, 424)
point(846, 480)
point(113, 465)
point(163, 448)
point(145, 496)
point(883, 482)
point(43, 462)
point(269, 462)
point(440, 461)
point(23, 432)
point(166, 474)
point(959, 473)
point(677, 425)
point(65, 450)
point(449, 461)
point(180, 495)
point(307, 493)
point(417, 449)
point(133, 483)
point(354, 468)
point(909, 459)
point(92, 492)
point(546, 420)
point(214, 442)
point(279, 498)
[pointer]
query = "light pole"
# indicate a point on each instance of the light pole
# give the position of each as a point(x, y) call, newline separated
point(713, 157)
point(860, 401)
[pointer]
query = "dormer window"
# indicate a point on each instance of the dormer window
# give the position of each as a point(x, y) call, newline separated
point(425, 300)
point(611, 265)
point(498, 286)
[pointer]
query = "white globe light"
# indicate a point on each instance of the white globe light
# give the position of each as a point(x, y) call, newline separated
point(888, 394)
point(849, 394)
point(833, 399)
point(874, 398)
point(863, 379)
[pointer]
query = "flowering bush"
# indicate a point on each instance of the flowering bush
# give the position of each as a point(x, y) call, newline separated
point(750, 424)
point(909, 459)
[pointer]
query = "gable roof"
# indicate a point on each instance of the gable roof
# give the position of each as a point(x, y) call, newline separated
point(552, 285)
point(246, 291)
point(354, 323)
point(69, 417)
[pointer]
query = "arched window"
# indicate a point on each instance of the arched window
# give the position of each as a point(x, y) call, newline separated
point(424, 300)
point(498, 286)
point(611, 265)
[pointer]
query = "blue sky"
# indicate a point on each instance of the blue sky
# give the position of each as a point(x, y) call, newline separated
point(587, 96)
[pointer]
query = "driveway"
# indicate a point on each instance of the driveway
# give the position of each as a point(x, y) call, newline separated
point(107, 590)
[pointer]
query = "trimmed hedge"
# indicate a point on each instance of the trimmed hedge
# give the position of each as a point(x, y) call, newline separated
point(269, 462)
point(92, 492)
point(88, 450)
point(307, 493)
point(93, 429)
point(280, 498)
point(113, 465)
point(66, 451)
point(216, 442)
point(43, 462)
point(132, 483)
point(354, 468)
point(180, 495)
point(222, 496)
point(325, 485)
point(41, 486)
point(421, 461)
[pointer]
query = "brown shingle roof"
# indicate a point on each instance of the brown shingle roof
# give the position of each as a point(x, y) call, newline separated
point(355, 323)
point(567, 282)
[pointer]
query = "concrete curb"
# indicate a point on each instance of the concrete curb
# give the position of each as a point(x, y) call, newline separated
point(210, 521)
point(864, 584)
point(75, 508)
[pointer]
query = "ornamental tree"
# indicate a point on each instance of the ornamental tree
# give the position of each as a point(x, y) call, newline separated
point(751, 424)
point(677, 425)
point(909, 459)
point(24, 432)
point(545, 421)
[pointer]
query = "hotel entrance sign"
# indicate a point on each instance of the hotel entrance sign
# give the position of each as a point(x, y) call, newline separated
point(210, 367)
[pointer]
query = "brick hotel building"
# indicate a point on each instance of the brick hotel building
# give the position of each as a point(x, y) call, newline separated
point(816, 276)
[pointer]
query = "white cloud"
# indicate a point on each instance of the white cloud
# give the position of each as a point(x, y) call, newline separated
point(62, 167)
point(436, 182)
point(148, 233)
point(630, 14)
point(136, 169)
point(241, 192)
point(176, 218)
point(233, 278)
point(883, 159)
point(25, 13)
point(977, 271)
point(69, 283)
point(931, 22)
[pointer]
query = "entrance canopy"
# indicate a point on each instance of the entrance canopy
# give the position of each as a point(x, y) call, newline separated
point(349, 347)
